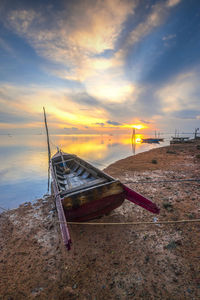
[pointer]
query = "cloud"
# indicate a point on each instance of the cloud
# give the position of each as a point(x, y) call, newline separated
point(6, 47)
point(18, 117)
point(113, 123)
point(85, 99)
point(186, 114)
point(76, 38)
point(24, 105)
point(73, 36)
point(83, 42)
point(23, 19)
point(180, 94)
point(71, 130)
point(145, 122)
point(171, 3)
point(107, 107)
point(154, 19)
point(169, 37)
point(88, 28)
point(110, 86)
point(100, 124)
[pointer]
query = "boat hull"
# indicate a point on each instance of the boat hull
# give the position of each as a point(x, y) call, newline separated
point(95, 195)
point(95, 209)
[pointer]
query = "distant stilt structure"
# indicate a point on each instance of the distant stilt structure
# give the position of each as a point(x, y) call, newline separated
point(133, 141)
point(195, 133)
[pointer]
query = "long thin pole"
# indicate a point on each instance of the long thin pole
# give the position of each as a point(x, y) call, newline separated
point(48, 144)
point(133, 141)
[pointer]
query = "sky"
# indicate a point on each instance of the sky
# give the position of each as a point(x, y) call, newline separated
point(99, 66)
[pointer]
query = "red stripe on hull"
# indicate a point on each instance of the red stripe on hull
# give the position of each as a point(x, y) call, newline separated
point(95, 209)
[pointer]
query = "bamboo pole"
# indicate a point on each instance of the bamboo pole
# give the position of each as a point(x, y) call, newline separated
point(133, 141)
point(48, 144)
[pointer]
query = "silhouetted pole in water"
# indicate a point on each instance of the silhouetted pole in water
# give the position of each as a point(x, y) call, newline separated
point(133, 141)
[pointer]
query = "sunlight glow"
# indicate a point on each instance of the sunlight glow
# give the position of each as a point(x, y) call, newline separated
point(136, 126)
point(139, 126)
point(127, 139)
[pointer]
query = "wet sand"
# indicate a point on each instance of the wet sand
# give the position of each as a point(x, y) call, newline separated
point(159, 261)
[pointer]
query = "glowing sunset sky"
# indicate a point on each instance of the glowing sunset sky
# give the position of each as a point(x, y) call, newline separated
point(99, 66)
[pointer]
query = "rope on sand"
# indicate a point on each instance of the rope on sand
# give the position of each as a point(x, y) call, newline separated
point(134, 223)
point(164, 181)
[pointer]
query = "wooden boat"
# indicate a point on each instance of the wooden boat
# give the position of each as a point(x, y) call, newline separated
point(181, 140)
point(86, 192)
point(154, 140)
point(151, 140)
point(82, 192)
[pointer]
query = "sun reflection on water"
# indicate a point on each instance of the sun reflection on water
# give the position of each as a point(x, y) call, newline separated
point(24, 159)
point(26, 156)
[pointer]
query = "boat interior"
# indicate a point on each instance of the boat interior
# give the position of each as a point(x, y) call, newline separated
point(74, 174)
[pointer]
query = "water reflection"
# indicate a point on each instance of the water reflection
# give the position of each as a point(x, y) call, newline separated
point(24, 161)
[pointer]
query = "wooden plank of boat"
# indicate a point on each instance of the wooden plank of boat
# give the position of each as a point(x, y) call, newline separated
point(81, 187)
point(95, 209)
point(90, 194)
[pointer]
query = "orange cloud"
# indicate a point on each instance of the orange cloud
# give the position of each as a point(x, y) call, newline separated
point(78, 36)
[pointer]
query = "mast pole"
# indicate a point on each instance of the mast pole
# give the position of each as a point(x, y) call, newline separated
point(48, 144)
point(47, 132)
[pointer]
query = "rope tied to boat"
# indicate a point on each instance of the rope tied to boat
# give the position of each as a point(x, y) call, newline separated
point(164, 181)
point(134, 223)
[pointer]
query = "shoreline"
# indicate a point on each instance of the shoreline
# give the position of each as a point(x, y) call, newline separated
point(148, 261)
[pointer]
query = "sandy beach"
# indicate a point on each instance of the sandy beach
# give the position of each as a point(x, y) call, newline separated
point(143, 261)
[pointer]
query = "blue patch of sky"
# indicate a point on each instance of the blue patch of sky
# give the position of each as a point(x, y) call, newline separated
point(33, 4)
point(133, 20)
point(19, 64)
point(22, 65)
point(108, 53)
point(143, 57)
point(177, 54)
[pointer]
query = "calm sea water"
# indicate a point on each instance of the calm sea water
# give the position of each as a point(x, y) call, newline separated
point(24, 161)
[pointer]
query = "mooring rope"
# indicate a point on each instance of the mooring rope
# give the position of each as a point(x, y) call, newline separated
point(133, 223)
point(164, 181)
